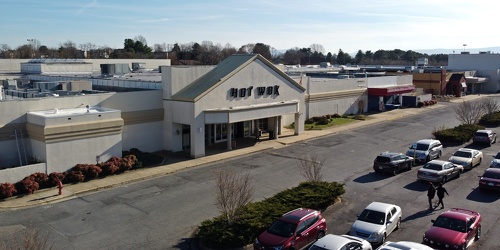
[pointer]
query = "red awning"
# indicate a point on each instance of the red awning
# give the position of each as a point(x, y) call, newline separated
point(390, 90)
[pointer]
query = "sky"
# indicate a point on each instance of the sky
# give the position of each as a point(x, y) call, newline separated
point(282, 24)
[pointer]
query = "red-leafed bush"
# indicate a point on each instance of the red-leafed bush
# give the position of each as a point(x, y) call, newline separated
point(27, 185)
point(109, 168)
point(7, 190)
point(41, 178)
point(56, 176)
point(128, 162)
point(75, 176)
point(90, 171)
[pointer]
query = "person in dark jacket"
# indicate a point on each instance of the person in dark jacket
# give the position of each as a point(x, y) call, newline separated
point(440, 193)
point(431, 192)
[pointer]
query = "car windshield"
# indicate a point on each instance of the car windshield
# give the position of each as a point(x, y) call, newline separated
point(282, 228)
point(492, 175)
point(372, 217)
point(463, 154)
point(433, 166)
point(449, 223)
point(420, 146)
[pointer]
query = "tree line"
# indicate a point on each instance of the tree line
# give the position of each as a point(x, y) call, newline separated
point(209, 53)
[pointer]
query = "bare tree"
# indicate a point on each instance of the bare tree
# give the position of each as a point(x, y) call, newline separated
point(489, 105)
point(311, 168)
point(469, 112)
point(30, 239)
point(141, 39)
point(317, 48)
point(233, 192)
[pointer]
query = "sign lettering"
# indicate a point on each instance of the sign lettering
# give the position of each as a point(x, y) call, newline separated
point(259, 91)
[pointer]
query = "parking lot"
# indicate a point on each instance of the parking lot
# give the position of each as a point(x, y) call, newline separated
point(411, 194)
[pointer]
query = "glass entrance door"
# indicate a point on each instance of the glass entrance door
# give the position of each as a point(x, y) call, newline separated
point(220, 132)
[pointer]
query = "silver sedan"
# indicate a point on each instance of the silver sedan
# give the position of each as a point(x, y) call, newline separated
point(467, 157)
point(439, 171)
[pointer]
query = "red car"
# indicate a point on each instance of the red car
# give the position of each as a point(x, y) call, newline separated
point(490, 180)
point(296, 229)
point(456, 228)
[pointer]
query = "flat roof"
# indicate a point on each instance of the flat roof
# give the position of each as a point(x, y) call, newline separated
point(71, 112)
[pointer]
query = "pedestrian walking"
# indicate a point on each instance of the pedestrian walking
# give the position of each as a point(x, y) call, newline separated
point(431, 192)
point(440, 193)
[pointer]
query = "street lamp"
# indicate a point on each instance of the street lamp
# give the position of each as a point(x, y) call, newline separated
point(464, 46)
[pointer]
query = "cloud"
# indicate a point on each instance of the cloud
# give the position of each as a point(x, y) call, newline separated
point(88, 6)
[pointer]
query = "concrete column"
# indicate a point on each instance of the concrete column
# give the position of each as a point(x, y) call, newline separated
point(400, 99)
point(229, 140)
point(276, 127)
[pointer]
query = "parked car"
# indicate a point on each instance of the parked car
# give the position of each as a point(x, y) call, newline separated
point(495, 163)
point(490, 180)
point(376, 222)
point(467, 157)
point(484, 136)
point(392, 163)
point(456, 228)
point(296, 229)
point(439, 171)
point(403, 245)
point(425, 150)
point(341, 242)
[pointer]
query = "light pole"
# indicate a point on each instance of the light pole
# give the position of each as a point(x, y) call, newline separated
point(32, 45)
point(465, 45)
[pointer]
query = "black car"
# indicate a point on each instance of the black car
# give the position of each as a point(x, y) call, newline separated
point(392, 163)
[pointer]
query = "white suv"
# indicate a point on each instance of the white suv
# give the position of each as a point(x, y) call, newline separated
point(425, 150)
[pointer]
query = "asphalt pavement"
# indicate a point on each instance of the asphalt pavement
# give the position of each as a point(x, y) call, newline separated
point(48, 196)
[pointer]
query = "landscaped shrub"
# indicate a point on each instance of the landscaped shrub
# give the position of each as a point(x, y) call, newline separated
point(336, 115)
point(41, 178)
point(309, 121)
point(56, 176)
point(109, 168)
point(459, 134)
point(7, 190)
point(322, 120)
point(27, 186)
point(220, 234)
point(90, 171)
point(490, 120)
point(74, 176)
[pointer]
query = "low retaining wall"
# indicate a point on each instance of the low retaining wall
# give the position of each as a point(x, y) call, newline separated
point(13, 175)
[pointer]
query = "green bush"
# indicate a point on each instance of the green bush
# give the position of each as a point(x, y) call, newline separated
point(459, 134)
point(490, 120)
point(257, 216)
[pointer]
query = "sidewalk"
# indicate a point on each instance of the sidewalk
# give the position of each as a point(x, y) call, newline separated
point(47, 196)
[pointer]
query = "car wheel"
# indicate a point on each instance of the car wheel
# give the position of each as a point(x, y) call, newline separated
point(428, 158)
point(384, 238)
point(458, 174)
point(321, 234)
point(410, 165)
point(395, 171)
point(439, 155)
point(443, 180)
point(480, 160)
point(399, 224)
point(478, 233)
point(470, 166)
